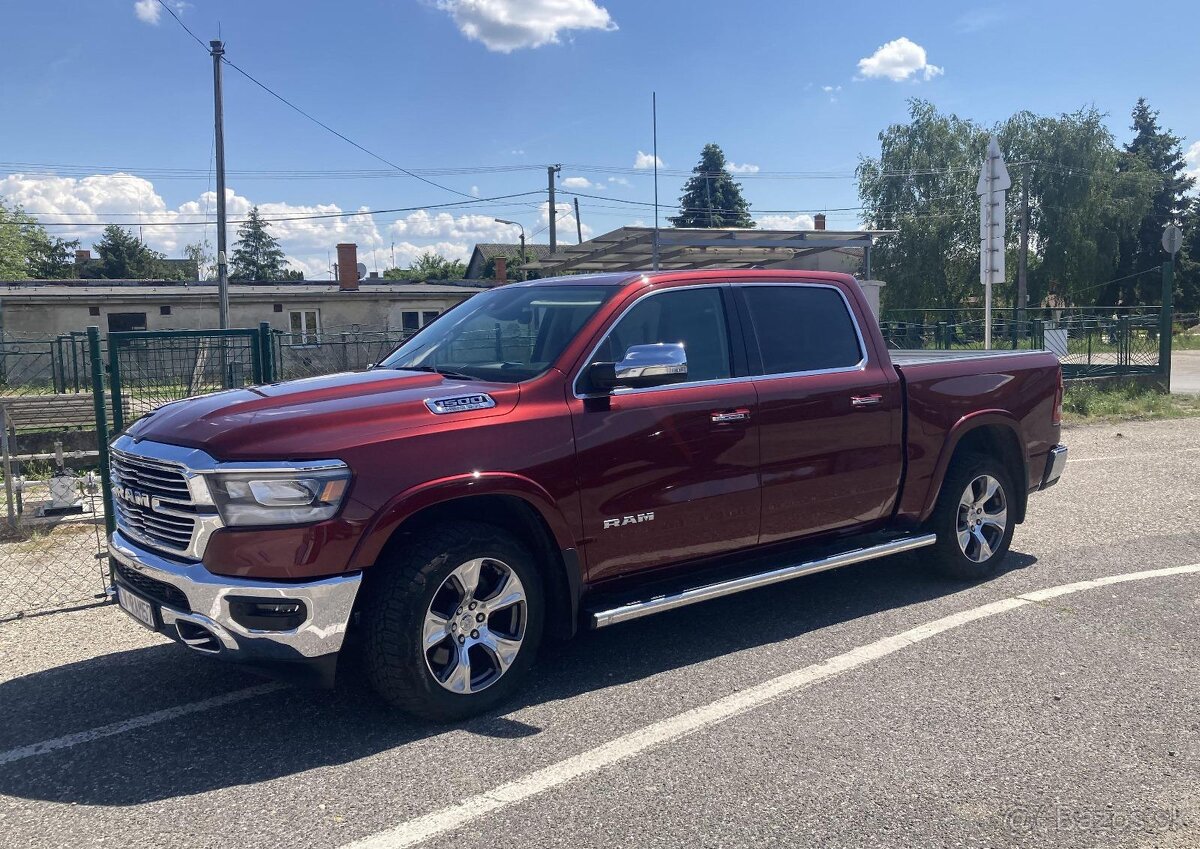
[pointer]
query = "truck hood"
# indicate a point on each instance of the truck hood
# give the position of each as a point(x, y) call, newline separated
point(316, 417)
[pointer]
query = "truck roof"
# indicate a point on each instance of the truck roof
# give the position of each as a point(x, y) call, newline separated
point(616, 278)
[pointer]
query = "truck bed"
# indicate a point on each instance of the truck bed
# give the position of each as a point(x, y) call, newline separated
point(915, 358)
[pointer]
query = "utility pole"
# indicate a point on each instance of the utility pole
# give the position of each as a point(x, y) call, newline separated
point(551, 170)
point(708, 197)
point(218, 53)
point(1023, 259)
point(578, 223)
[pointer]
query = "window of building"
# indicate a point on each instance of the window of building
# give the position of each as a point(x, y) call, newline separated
point(277, 307)
point(802, 328)
point(428, 316)
point(305, 326)
point(164, 310)
point(410, 320)
point(93, 310)
point(119, 322)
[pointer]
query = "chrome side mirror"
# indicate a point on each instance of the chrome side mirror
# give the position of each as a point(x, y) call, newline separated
point(643, 366)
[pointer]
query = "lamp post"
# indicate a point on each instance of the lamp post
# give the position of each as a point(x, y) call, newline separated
point(524, 274)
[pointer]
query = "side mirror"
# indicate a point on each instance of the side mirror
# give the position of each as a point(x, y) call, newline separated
point(642, 366)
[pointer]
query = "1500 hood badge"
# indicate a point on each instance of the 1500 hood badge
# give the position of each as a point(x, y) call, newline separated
point(460, 403)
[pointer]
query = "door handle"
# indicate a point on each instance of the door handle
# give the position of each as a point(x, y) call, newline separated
point(865, 400)
point(730, 416)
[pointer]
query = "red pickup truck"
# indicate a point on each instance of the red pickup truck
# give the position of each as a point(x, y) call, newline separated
point(568, 452)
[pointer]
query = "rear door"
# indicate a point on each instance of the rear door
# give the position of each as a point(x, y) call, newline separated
point(829, 415)
point(669, 473)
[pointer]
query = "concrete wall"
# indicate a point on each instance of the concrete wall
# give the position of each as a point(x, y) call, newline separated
point(47, 317)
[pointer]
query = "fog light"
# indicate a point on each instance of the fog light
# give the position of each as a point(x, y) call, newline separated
point(260, 614)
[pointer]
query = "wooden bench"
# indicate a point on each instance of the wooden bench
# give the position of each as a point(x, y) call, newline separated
point(48, 412)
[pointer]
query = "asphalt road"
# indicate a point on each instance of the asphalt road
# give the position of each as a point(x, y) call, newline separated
point(815, 713)
point(1185, 372)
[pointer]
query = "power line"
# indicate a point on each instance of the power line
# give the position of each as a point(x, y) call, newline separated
point(179, 21)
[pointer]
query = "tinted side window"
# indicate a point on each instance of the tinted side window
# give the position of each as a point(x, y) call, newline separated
point(802, 328)
point(695, 317)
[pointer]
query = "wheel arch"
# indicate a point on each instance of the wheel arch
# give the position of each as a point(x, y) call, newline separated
point(996, 434)
point(498, 502)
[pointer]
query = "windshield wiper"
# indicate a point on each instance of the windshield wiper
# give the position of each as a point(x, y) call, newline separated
point(443, 372)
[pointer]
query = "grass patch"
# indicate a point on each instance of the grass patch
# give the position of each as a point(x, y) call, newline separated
point(1087, 403)
point(1186, 342)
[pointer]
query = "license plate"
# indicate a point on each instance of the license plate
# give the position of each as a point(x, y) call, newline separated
point(137, 607)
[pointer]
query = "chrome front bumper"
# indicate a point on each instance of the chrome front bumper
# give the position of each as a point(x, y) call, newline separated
point(328, 603)
point(1056, 462)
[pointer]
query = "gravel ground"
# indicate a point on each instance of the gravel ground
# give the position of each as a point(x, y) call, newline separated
point(1185, 372)
point(1068, 722)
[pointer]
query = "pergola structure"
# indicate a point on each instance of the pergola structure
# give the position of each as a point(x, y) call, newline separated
point(634, 249)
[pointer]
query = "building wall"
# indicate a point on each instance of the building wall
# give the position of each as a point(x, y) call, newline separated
point(51, 316)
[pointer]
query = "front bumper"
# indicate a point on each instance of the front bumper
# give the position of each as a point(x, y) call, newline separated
point(1056, 462)
point(208, 625)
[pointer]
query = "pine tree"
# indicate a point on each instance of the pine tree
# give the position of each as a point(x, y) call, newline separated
point(125, 257)
point(710, 197)
point(257, 255)
point(1159, 150)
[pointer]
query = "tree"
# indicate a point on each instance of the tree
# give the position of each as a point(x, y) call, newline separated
point(200, 253)
point(1159, 153)
point(710, 197)
point(27, 251)
point(257, 255)
point(923, 185)
point(429, 266)
point(123, 256)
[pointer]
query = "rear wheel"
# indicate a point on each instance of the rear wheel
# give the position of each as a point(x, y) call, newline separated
point(453, 624)
point(973, 518)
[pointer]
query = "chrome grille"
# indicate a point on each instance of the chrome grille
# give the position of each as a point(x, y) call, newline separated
point(153, 502)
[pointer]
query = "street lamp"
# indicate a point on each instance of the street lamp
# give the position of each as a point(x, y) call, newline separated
point(524, 274)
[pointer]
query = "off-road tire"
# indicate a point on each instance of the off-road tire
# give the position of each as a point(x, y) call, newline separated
point(947, 556)
point(398, 596)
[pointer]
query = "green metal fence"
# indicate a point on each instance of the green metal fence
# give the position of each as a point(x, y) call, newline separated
point(1089, 341)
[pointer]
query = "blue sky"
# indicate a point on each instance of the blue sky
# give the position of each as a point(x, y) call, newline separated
point(786, 88)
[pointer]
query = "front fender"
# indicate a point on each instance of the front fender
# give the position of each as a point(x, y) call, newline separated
point(425, 495)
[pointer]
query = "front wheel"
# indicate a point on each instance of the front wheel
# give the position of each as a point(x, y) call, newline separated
point(972, 518)
point(453, 624)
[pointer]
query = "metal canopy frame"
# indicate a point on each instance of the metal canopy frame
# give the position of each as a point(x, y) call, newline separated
point(632, 249)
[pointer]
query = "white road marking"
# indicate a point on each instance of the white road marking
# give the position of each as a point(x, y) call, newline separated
point(1129, 456)
point(111, 730)
point(438, 823)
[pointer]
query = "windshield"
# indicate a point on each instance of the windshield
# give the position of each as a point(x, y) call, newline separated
point(508, 334)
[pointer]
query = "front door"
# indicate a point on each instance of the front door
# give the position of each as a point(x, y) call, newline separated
point(668, 473)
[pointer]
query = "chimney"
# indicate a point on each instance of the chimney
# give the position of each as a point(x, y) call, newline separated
point(819, 221)
point(82, 256)
point(347, 267)
point(501, 269)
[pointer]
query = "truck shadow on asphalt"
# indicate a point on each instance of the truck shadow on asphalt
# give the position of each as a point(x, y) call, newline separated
point(291, 730)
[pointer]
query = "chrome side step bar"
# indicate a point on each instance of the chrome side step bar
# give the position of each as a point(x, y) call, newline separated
point(636, 610)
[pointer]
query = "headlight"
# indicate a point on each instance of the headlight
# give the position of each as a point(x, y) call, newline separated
point(278, 498)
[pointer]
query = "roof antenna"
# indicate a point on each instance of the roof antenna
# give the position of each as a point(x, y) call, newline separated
point(654, 153)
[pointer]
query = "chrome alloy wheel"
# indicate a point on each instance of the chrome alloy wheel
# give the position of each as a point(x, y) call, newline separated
point(475, 625)
point(982, 518)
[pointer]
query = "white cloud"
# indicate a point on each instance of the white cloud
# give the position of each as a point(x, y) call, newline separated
point(577, 183)
point(475, 191)
point(507, 25)
point(620, 181)
point(832, 91)
point(147, 11)
point(90, 202)
point(645, 161)
point(744, 168)
point(1192, 157)
point(801, 221)
point(897, 61)
point(565, 222)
